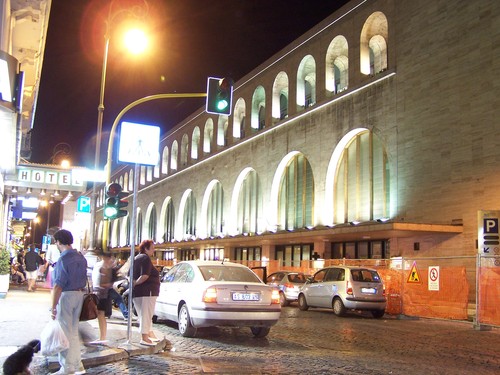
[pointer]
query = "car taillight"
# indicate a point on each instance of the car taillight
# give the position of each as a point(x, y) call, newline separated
point(349, 288)
point(210, 295)
point(288, 285)
point(275, 297)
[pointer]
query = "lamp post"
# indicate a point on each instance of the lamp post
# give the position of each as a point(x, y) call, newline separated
point(135, 11)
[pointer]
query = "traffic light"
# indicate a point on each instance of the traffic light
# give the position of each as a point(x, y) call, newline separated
point(115, 202)
point(219, 95)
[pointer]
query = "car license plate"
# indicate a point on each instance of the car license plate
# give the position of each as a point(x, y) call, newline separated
point(369, 290)
point(239, 296)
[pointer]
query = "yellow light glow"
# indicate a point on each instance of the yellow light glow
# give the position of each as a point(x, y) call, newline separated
point(65, 163)
point(136, 41)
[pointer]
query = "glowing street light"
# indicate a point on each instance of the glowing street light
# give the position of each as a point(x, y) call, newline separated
point(136, 12)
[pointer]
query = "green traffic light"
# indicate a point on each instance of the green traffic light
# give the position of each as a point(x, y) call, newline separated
point(110, 211)
point(222, 104)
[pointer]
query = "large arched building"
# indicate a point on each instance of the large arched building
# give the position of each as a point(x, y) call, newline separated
point(372, 136)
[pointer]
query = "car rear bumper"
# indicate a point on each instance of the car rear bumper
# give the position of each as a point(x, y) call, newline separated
point(248, 318)
point(358, 304)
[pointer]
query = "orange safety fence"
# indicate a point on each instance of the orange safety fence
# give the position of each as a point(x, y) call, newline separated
point(392, 280)
point(449, 302)
point(489, 295)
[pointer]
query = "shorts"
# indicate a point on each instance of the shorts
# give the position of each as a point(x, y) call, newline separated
point(104, 304)
point(32, 274)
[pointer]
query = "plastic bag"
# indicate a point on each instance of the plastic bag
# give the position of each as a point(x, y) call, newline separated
point(53, 340)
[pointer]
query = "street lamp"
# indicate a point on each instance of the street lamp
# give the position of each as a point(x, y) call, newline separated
point(137, 12)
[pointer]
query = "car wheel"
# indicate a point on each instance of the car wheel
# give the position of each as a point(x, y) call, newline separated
point(155, 318)
point(338, 307)
point(283, 300)
point(260, 331)
point(378, 313)
point(185, 327)
point(303, 303)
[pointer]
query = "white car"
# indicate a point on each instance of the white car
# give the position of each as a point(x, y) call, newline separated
point(215, 293)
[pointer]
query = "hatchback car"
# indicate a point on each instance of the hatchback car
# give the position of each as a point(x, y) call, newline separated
point(214, 293)
point(289, 284)
point(345, 288)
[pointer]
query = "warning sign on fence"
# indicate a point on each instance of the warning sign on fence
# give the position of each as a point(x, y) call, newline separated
point(434, 278)
point(413, 277)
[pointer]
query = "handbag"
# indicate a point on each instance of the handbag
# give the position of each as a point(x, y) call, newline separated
point(89, 307)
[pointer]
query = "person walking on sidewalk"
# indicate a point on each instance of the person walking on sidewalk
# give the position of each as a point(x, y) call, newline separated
point(70, 278)
point(102, 282)
point(32, 260)
point(146, 288)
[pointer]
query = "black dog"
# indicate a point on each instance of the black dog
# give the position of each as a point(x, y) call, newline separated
point(19, 362)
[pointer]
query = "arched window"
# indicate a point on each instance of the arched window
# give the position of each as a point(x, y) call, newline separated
point(361, 185)
point(239, 119)
point(280, 96)
point(215, 220)
point(249, 204)
point(373, 44)
point(208, 135)
point(189, 217)
point(164, 161)
point(296, 195)
point(184, 150)
point(258, 116)
point(306, 82)
point(142, 179)
point(169, 222)
point(222, 130)
point(173, 157)
point(337, 65)
point(195, 143)
point(138, 233)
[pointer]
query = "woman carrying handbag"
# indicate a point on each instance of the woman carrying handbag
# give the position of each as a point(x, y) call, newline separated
point(146, 288)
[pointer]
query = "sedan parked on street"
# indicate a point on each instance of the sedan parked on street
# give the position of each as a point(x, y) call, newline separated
point(289, 284)
point(215, 293)
point(345, 288)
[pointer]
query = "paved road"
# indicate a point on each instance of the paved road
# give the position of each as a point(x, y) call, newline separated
point(317, 342)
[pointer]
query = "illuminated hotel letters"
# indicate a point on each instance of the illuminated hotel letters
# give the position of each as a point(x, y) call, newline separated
point(40, 176)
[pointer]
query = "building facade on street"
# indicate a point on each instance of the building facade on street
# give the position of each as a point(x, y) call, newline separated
point(372, 136)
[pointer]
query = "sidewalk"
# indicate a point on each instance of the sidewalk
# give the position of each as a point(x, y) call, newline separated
point(23, 315)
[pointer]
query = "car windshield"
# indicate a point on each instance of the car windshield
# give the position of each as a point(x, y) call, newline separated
point(228, 273)
point(365, 275)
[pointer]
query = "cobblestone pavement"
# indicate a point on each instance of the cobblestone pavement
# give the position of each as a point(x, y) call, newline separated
point(317, 342)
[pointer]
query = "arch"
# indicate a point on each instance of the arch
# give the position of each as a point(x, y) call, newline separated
point(246, 204)
point(306, 82)
point(280, 91)
point(184, 150)
point(373, 44)
point(164, 160)
point(142, 178)
point(167, 220)
point(174, 155)
point(258, 114)
point(212, 206)
point(187, 217)
point(222, 130)
point(337, 65)
point(125, 238)
point(357, 180)
point(195, 143)
point(151, 222)
point(239, 119)
point(139, 227)
point(208, 135)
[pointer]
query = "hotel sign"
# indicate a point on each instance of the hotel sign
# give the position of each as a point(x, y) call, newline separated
point(50, 179)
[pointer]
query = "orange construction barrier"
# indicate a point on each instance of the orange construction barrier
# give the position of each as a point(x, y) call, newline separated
point(489, 295)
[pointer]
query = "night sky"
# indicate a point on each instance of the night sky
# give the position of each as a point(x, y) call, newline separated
point(191, 40)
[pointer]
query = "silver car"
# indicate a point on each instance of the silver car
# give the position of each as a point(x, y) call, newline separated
point(345, 288)
point(214, 293)
point(289, 283)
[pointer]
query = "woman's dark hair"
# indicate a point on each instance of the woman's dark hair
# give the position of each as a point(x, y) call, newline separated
point(145, 245)
point(64, 237)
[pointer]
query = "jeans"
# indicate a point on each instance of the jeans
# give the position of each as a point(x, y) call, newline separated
point(68, 315)
point(115, 296)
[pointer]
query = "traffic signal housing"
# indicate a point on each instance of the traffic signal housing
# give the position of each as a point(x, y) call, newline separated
point(115, 202)
point(219, 95)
